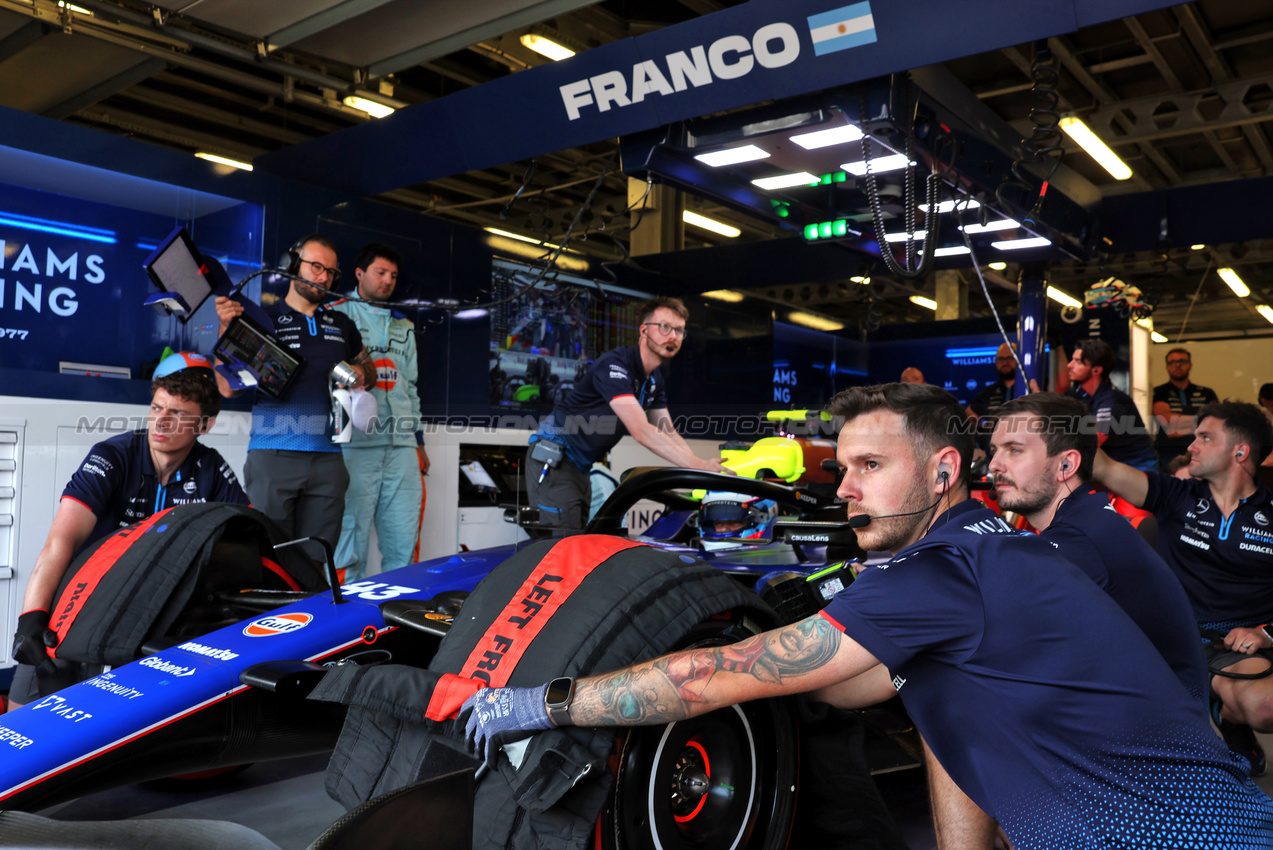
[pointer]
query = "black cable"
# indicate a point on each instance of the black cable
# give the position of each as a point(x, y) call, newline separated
point(914, 268)
point(549, 260)
point(404, 305)
point(624, 250)
point(976, 267)
point(1043, 143)
point(1211, 259)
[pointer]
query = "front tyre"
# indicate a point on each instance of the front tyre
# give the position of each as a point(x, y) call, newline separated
point(722, 781)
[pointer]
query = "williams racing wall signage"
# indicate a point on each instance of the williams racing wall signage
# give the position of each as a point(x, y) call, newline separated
point(72, 285)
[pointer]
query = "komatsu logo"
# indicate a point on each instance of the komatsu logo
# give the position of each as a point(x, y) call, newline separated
point(728, 58)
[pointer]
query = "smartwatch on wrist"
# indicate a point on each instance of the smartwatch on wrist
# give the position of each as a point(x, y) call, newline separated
point(1265, 628)
point(561, 692)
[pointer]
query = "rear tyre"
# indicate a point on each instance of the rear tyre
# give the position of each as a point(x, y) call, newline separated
point(722, 781)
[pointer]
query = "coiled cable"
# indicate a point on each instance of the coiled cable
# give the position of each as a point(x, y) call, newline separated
point(914, 267)
point(1043, 146)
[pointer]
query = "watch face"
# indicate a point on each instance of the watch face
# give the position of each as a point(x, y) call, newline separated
point(558, 691)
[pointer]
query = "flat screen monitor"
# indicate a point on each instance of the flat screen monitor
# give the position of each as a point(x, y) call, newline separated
point(478, 476)
point(175, 267)
point(245, 341)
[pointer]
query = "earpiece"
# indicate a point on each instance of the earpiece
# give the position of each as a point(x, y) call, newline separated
point(1065, 466)
point(1241, 454)
point(943, 471)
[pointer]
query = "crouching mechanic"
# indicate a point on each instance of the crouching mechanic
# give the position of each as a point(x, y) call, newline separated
point(387, 462)
point(1214, 531)
point(1042, 449)
point(1087, 747)
point(122, 481)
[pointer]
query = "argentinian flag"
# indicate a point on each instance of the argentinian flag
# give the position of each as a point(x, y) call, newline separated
point(840, 29)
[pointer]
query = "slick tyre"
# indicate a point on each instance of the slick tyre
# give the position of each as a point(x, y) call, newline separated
point(722, 781)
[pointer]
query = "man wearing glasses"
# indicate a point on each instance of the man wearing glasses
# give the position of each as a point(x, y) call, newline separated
point(124, 480)
point(622, 393)
point(1004, 389)
point(294, 473)
point(1176, 406)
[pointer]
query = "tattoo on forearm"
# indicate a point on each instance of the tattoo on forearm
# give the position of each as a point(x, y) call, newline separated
point(669, 688)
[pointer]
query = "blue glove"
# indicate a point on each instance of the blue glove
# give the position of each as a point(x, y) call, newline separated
point(501, 715)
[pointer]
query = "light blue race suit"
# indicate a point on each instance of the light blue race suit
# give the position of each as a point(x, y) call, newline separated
point(385, 484)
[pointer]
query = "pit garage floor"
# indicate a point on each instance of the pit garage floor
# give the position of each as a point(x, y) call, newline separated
point(286, 803)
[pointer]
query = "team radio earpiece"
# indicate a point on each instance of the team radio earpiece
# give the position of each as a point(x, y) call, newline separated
point(1065, 466)
point(943, 474)
point(1241, 454)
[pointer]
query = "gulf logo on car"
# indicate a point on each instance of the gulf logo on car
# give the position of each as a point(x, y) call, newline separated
point(277, 624)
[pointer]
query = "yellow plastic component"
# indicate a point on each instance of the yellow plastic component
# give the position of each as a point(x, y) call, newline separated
point(789, 415)
point(782, 455)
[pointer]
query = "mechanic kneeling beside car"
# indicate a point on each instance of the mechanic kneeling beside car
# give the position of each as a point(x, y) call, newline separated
point(1088, 747)
point(123, 480)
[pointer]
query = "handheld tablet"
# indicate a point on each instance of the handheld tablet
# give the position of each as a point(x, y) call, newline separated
point(246, 343)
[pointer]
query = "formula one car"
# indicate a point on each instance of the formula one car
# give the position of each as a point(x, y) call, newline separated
point(234, 695)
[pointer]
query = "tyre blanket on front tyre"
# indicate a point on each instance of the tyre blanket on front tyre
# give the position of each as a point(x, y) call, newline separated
point(139, 581)
point(574, 607)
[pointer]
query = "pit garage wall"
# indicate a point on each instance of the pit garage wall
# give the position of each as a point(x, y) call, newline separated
point(1234, 368)
point(439, 534)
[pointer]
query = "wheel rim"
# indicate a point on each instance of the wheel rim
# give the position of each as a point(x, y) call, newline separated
point(722, 781)
point(702, 784)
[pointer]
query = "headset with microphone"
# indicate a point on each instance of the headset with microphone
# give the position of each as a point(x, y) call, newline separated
point(943, 474)
point(290, 262)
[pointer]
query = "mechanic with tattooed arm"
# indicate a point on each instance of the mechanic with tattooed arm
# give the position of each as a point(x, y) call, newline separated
point(1085, 746)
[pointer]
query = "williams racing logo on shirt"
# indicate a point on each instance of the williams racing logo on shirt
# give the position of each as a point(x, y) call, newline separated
point(989, 526)
point(1256, 539)
point(618, 373)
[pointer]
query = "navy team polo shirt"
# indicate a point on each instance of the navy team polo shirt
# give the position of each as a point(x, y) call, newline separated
point(299, 420)
point(1046, 704)
point(585, 423)
point(1224, 563)
point(1102, 543)
point(117, 482)
point(1183, 402)
point(1127, 439)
